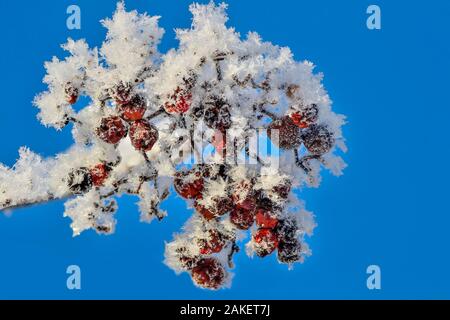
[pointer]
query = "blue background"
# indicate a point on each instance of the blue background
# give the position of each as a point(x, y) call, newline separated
point(389, 209)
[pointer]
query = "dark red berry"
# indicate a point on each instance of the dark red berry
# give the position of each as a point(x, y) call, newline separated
point(111, 130)
point(217, 114)
point(214, 242)
point(242, 218)
point(133, 110)
point(265, 241)
point(266, 219)
point(283, 189)
point(121, 93)
point(143, 135)
point(72, 93)
point(79, 180)
point(179, 102)
point(189, 184)
point(243, 195)
point(209, 273)
point(99, 174)
point(306, 116)
point(289, 252)
point(318, 139)
point(219, 207)
point(285, 134)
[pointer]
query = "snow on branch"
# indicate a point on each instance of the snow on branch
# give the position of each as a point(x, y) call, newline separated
point(189, 122)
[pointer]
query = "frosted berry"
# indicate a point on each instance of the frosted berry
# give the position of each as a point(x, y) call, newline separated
point(121, 93)
point(287, 229)
point(285, 133)
point(306, 116)
point(133, 110)
point(217, 114)
point(219, 207)
point(318, 139)
point(179, 102)
point(99, 174)
point(243, 195)
point(72, 93)
point(214, 242)
point(111, 130)
point(189, 184)
point(79, 180)
point(209, 274)
point(266, 219)
point(265, 241)
point(242, 218)
point(289, 252)
point(283, 189)
point(143, 135)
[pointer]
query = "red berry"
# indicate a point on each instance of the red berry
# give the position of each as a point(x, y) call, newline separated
point(306, 116)
point(133, 110)
point(283, 189)
point(179, 102)
point(265, 219)
point(209, 273)
point(318, 139)
point(121, 93)
point(285, 133)
point(214, 243)
point(143, 135)
point(221, 205)
point(243, 195)
point(71, 93)
point(265, 241)
point(99, 174)
point(111, 130)
point(242, 218)
point(189, 184)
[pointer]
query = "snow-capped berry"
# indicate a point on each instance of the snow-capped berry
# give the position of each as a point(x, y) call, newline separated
point(318, 139)
point(287, 229)
point(266, 219)
point(99, 174)
point(307, 116)
point(242, 218)
point(219, 142)
point(283, 189)
point(243, 195)
point(133, 110)
point(111, 130)
point(79, 180)
point(189, 184)
point(265, 241)
point(289, 252)
point(285, 133)
point(179, 102)
point(213, 243)
point(209, 274)
point(143, 135)
point(217, 114)
point(219, 207)
point(121, 93)
point(72, 93)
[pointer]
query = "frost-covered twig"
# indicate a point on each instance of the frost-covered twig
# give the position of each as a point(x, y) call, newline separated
point(150, 113)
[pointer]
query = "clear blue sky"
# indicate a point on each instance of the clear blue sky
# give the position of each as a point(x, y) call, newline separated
point(390, 208)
